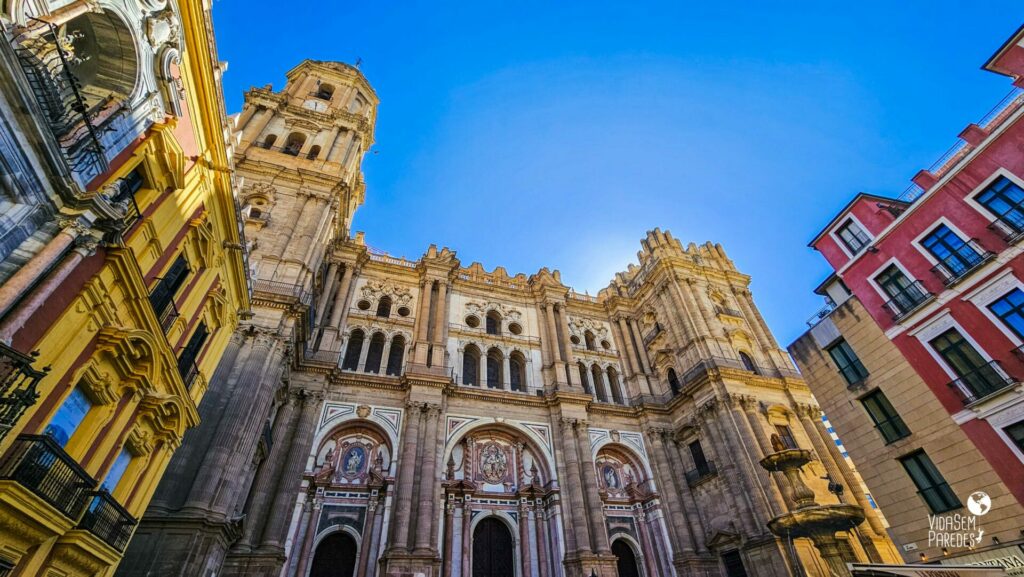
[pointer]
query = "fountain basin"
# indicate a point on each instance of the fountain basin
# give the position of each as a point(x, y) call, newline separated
point(817, 521)
point(788, 459)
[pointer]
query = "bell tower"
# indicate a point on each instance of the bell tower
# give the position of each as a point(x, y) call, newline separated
point(300, 152)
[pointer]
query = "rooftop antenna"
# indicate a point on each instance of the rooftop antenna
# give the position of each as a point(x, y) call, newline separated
point(358, 61)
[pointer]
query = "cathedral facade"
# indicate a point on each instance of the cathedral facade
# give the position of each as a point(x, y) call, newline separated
point(375, 415)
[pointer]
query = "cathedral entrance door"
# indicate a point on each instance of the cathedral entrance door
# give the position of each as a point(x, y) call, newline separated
point(625, 559)
point(492, 550)
point(335, 556)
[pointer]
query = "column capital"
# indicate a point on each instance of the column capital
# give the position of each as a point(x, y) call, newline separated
point(807, 410)
point(86, 244)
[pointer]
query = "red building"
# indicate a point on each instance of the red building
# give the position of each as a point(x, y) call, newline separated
point(941, 270)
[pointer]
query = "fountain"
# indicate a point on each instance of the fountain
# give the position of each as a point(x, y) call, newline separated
point(819, 523)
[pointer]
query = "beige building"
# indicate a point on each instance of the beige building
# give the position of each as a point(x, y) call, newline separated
point(383, 416)
point(884, 412)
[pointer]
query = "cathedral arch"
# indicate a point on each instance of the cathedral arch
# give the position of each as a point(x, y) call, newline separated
point(336, 553)
point(539, 455)
point(369, 431)
point(618, 466)
point(495, 545)
point(628, 554)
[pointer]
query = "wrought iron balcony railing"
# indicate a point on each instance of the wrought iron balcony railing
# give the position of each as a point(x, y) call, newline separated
point(983, 381)
point(189, 371)
point(962, 262)
point(6, 568)
point(819, 316)
point(1010, 224)
point(728, 311)
point(168, 315)
point(18, 382)
point(652, 334)
point(39, 464)
point(696, 476)
point(108, 520)
point(907, 300)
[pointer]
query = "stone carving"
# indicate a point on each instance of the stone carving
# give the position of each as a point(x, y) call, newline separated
point(482, 308)
point(493, 463)
point(579, 325)
point(373, 290)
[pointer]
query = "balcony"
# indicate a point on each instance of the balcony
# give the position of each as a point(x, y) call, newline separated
point(652, 334)
point(720, 310)
point(962, 262)
point(189, 372)
point(821, 315)
point(167, 315)
point(108, 520)
point(982, 382)
point(907, 300)
point(18, 382)
point(701, 473)
point(39, 464)
point(1010, 224)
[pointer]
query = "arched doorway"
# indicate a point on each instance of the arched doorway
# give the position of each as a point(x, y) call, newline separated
point(492, 549)
point(625, 559)
point(335, 556)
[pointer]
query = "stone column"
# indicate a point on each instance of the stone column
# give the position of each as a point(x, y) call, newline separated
point(467, 521)
point(599, 534)
point(406, 475)
point(362, 567)
point(748, 477)
point(643, 349)
point(697, 311)
point(363, 352)
point(606, 388)
point(671, 488)
point(626, 347)
point(16, 318)
point(542, 550)
point(482, 377)
point(524, 538)
point(440, 323)
point(282, 435)
point(650, 562)
point(564, 324)
point(747, 298)
point(449, 536)
point(506, 370)
point(689, 502)
point(36, 266)
point(765, 444)
point(736, 491)
point(770, 497)
point(423, 321)
point(291, 246)
point(291, 475)
point(341, 297)
point(428, 483)
point(329, 281)
point(679, 334)
point(578, 534)
point(307, 542)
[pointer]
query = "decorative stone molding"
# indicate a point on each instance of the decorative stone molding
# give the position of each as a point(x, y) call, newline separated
point(481, 309)
point(374, 290)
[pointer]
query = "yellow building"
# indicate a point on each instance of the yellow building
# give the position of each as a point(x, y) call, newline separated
point(122, 266)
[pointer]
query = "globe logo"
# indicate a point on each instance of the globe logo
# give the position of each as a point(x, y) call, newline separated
point(979, 503)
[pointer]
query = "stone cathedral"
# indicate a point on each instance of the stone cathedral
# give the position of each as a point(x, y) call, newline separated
point(377, 416)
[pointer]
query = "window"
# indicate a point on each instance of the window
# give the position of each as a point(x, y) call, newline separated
point(1016, 434)
point(294, 143)
point(885, 417)
point(162, 297)
point(958, 353)
point(700, 461)
point(324, 92)
point(733, 564)
point(597, 378)
point(187, 360)
point(269, 141)
point(786, 436)
point(1005, 200)
point(613, 384)
point(588, 339)
point(673, 382)
point(493, 323)
point(470, 365)
point(849, 365)
point(314, 151)
point(852, 236)
point(68, 417)
point(904, 294)
point(494, 362)
point(956, 257)
point(117, 470)
point(930, 485)
point(375, 353)
point(748, 363)
point(1010, 309)
point(395, 355)
point(517, 371)
point(352, 352)
point(584, 379)
point(384, 307)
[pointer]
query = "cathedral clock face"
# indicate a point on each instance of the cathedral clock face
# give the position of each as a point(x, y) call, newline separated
point(317, 105)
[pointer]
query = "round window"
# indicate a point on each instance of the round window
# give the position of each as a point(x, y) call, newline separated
point(606, 345)
point(403, 311)
point(515, 329)
point(364, 305)
point(574, 340)
point(472, 322)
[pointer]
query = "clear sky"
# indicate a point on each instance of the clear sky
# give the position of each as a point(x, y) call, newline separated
point(528, 134)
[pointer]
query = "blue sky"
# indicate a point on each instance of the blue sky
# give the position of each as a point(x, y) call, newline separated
point(529, 134)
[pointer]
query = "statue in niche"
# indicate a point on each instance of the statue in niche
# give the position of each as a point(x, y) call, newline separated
point(354, 460)
point(611, 478)
point(777, 444)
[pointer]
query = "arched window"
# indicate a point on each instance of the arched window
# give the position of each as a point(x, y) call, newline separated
point(294, 143)
point(324, 91)
point(384, 307)
point(314, 151)
point(517, 371)
point(597, 376)
point(335, 556)
point(493, 323)
point(748, 362)
point(470, 366)
point(613, 383)
point(588, 338)
point(374, 353)
point(673, 382)
point(395, 355)
point(355, 348)
point(269, 141)
point(495, 360)
point(584, 380)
